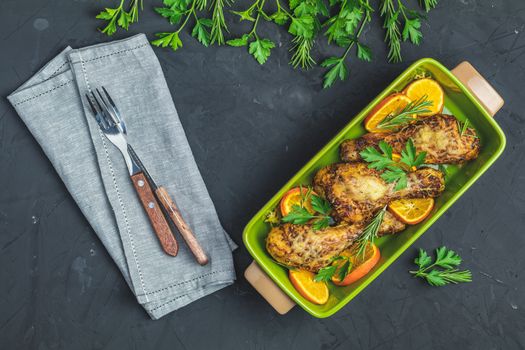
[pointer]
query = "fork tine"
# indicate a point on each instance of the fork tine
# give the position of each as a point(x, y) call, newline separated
point(96, 112)
point(113, 104)
point(108, 109)
point(103, 111)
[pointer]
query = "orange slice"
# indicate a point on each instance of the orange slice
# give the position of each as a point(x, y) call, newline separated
point(360, 265)
point(294, 197)
point(429, 87)
point(303, 281)
point(389, 105)
point(412, 211)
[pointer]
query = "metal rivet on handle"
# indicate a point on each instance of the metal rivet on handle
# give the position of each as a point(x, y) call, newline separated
point(140, 183)
point(151, 205)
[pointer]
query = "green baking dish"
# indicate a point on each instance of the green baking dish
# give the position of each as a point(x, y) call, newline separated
point(459, 101)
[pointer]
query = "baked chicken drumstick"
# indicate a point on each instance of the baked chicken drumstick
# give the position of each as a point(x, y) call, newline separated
point(357, 192)
point(439, 136)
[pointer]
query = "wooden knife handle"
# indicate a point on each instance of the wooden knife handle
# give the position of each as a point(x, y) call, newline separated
point(155, 215)
point(184, 229)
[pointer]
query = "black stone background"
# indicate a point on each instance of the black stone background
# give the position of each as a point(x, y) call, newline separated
point(251, 128)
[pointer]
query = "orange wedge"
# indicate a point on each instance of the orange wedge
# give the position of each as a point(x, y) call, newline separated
point(361, 265)
point(303, 281)
point(412, 211)
point(433, 91)
point(294, 197)
point(389, 105)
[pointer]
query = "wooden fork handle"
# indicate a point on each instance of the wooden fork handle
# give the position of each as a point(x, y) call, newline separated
point(155, 215)
point(183, 227)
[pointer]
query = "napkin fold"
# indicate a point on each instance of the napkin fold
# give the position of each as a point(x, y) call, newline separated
point(53, 107)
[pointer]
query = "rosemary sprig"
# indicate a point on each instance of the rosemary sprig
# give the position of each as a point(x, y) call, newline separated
point(369, 234)
point(406, 114)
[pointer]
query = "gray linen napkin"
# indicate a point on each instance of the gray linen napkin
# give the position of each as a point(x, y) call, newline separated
point(95, 174)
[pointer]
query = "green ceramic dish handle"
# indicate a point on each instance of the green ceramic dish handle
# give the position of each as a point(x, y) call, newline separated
point(479, 87)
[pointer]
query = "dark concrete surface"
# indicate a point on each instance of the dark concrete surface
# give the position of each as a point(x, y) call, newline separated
point(251, 128)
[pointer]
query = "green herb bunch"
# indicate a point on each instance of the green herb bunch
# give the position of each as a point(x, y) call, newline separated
point(443, 270)
point(340, 22)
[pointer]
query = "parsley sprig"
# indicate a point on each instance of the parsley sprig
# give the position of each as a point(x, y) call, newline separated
point(443, 270)
point(406, 114)
point(299, 215)
point(394, 172)
point(119, 16)
point(341, 269)
point(206, 30)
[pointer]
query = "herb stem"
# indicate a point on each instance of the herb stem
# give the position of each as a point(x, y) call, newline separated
point(190, 12)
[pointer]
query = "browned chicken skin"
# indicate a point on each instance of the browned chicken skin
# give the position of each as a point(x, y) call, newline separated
point(438, 135)
point(357, 192)
point(300, 246)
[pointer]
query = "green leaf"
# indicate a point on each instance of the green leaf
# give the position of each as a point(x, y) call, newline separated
point(320, 205)
point(124, 20)
point(447, 258)
point(321, 223)
point(260, 49)
point(378, 160)
point(409, 157)
point(242, 41)
point(200, 32)
point(343, 271)
point(294, 3)
point(174, 16)
point(423, 260)
point(363, 52)
point(325, 274)
point(279, 17)
point(245, 15)
point(397, 175)
point(411, 30)
point(107, 14)
point(338, 70)
point(168, 39)
point(302, 26)
point(298, 215)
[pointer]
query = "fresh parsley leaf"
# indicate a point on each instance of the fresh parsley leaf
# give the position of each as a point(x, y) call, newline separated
point(260, 49)
point(411, 30)
point(325, 274)
point(200, 32)
point(279, 17)
point(320, 205)
point(443, 271)
point(393, 171)
point(168, 39)
point(298, 215)
point(363, 52)
point(378, 160)
point(242, 41)
point(338, 70)
point(423, 260)
point(302, 26)
point(409, 156)
point(342, 269)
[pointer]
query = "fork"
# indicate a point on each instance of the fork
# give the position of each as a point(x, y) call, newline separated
point(162, 195)
point(111, 128)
